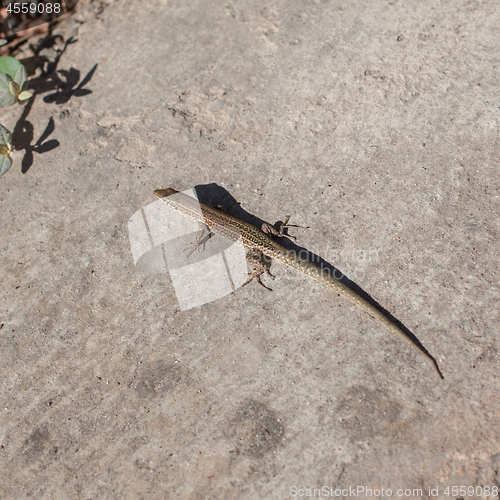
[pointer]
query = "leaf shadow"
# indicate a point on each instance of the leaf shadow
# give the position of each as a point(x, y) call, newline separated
point(64, 82)
point(24, 134)
point(69, 87)
point(49, 80)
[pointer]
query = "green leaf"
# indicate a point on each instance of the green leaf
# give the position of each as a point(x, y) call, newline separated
point(5, 150)
point(6, 97)
point(14, 89)
point(24, 96)
point(5, 137)
point(5, 164)
point(10, 65)
point(20, 76)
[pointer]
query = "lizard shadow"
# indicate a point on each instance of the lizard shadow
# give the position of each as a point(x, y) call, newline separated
point(217, 196)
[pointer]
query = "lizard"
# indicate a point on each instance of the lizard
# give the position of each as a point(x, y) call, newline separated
point(260, 244)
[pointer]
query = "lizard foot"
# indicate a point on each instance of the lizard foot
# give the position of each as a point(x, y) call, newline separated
point(280, 233)
point(260, 266)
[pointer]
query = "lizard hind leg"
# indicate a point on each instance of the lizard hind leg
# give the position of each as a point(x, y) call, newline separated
point(259, 266)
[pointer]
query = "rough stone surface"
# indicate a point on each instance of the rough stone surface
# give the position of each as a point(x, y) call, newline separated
point(374, 123)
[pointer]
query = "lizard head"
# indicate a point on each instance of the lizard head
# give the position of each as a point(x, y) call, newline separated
point(163, 193)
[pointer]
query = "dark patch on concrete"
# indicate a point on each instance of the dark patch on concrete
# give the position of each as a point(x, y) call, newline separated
point(37, 442)
point(256, 430)
point(365, 413)
point(158, 377)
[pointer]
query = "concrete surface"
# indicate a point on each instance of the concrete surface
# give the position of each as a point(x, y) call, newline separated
point(377, 125)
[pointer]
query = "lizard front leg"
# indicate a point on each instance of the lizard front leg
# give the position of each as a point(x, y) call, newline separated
point(203, 235)
point(279, 233)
